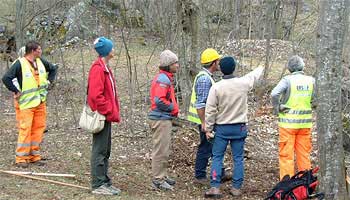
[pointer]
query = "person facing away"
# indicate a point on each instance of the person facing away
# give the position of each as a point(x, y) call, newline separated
point(102, 97)
point(29, 78)
point(226, 115)
point(164, 108)
point(202, 83)
point(291, 100)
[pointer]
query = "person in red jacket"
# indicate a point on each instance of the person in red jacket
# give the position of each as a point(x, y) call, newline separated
point(102, 96)
point(163, 109)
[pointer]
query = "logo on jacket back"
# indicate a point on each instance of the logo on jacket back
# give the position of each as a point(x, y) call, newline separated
point(303, 88)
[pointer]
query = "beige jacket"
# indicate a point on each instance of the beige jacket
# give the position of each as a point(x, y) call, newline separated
point(227, 100)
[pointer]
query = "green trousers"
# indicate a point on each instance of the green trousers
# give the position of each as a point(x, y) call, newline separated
point(101, 150)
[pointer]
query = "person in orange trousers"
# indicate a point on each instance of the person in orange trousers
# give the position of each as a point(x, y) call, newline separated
point(294, 141)
point(292, 101)
point(20, 54)
point(33, 75)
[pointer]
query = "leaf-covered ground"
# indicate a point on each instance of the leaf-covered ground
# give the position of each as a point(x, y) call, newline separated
point(67, 150)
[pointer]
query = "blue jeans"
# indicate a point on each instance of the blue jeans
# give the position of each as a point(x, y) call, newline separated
point(219, 148)
point(204, 152)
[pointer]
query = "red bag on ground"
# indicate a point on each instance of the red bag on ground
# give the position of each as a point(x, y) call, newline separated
point(299, 187)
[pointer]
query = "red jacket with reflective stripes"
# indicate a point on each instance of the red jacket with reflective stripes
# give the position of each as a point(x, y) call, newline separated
point(163, 102)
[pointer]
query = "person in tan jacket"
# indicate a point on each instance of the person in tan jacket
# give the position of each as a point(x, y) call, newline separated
point(225, 121)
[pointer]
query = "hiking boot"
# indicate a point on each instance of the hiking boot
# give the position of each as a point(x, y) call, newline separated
point(213, 193)
point(162, 185)
point(226, 177)
point(38, 163)
point(104, 190)
point(22, 165)
point(170, 181)
point(235, 191)
point(201, 181)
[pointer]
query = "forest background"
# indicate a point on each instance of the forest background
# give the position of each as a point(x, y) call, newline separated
point(255, 32)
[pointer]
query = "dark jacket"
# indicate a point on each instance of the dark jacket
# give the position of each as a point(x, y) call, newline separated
point(15, 71)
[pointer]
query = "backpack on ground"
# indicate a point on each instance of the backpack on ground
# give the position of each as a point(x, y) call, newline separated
point(299, 187)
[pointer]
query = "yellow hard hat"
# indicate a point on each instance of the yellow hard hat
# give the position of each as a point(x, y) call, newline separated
point(209, 55)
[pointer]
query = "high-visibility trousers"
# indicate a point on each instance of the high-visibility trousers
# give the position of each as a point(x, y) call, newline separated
point(32, 123)
point(294, 142)
point(16, 105)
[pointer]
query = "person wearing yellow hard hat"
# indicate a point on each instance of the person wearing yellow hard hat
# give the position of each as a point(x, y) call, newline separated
point(203, 81)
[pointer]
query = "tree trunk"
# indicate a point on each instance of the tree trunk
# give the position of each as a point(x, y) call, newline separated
point(261, 90)
point(20, 22)
point(188, 19)
point(236, 20)
point(330, 39)
point(288, 30)
point(277, 16)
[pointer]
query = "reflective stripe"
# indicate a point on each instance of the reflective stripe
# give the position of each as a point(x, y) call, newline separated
point(295, 121)
point(299, 102)
point(34, 90)
point(22, 154)
point(43, 86)
point(35, 152)
point(29, 91)
point(32, 95)
point(23, 145)
point(300, 112)
point(43, 95)
point(35, 143)
point(22, 101)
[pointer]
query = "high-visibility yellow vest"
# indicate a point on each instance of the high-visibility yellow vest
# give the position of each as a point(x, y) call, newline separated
point(192, 111)
point(32, 94)
point(299, 102)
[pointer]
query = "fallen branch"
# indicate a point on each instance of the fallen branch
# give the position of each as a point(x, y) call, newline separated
point(42, 174)
point(46, 180)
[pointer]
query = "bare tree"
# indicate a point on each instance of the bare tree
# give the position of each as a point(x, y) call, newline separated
point(20, 21)
point(188, 18)
point(237, 19)
point(277, 16)
point(330, 39)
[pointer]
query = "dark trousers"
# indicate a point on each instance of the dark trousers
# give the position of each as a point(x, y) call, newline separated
point(101, 150)
point(204, 152)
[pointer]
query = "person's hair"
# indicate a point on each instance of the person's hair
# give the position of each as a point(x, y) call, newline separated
point(295, 63)
point(32, 46)
point(209, 64)
point(164, 68)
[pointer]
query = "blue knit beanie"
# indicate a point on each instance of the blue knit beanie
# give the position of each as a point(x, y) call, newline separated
point(103, 46)
point(227, 65)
